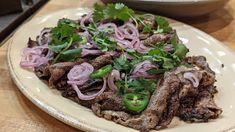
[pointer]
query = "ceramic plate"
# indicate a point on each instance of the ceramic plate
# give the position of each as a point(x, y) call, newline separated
point(175, 8)
point(80, 117)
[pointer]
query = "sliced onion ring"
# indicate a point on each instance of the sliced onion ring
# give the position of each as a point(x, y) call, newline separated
point(115, 74)
point(191, 77)
point(89, 97)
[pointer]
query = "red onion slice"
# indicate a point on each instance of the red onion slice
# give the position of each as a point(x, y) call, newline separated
point(191, 77)
point(115, 74)
point(79, 74)
point(142, 68)
point(34, 57)
point(89, 97)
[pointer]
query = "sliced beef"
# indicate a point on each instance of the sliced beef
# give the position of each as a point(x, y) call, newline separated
point(199, 61)
point(199, 108)
point(197, 104)
point(58, 70)
point(174, 96)
point(157, 110)
point(45, 36)
point(108, 101)
point(102, 60)
point(42, 71)
point(154, 39)
point(32, 43)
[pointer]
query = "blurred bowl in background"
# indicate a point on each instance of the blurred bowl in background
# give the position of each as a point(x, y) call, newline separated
point(174, 8)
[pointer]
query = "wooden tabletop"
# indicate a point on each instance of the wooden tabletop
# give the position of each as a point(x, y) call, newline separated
point(19, 114)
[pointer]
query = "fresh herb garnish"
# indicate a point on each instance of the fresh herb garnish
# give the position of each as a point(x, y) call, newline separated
point(142, 84)
point(101, 37)
point(112, 11)
point(63, 37)
point(122, 64)
point(163, 25)
point(180, 49)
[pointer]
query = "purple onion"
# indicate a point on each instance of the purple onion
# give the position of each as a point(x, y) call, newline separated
point(115, 74)
point(89, 97)
point(79, 74)
point(142, 68)
point(191, 77)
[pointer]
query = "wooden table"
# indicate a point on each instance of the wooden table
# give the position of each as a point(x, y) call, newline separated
point(19, 114)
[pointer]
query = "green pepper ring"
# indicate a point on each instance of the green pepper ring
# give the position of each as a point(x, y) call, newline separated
point(135, 102)
point(102, 72)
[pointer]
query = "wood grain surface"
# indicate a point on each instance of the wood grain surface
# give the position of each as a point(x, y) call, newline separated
point(19, 114)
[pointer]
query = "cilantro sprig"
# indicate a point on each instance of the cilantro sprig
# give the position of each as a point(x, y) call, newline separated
point(112, 11)
point(101, 37)
point(63, 37)
point(139, 85)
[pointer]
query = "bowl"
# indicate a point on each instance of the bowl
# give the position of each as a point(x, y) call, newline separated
point(174, 8)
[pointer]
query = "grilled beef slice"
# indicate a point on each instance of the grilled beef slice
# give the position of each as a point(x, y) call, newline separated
point(102, 60)
point(161, 106)
point(175, 96)
point(58, 70)
point(31, 43)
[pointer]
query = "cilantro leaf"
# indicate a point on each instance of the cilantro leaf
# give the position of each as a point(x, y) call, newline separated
point(180, 49)
point(142, 84)
point(105, 43)
point(147, 29)
point(101, 38)
point(123, 64)
point(163, 25)
point(64, 35)
point(112, 11)
point(57, 48)
point(70, 55)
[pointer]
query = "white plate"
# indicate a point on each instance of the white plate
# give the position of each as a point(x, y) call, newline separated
point(175, 8)
point(82, 118)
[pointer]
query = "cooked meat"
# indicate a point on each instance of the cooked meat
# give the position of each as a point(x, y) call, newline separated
point(32, 43)
point(144, 36)
point(154, 39)
point(102, 60)
point(58, 70)
point(175, 96)
point(108, 101)
point(42, 71)
point(200, 107)
point(199, 61)
point(157, 107)
point(45, 33)
point(91, 82)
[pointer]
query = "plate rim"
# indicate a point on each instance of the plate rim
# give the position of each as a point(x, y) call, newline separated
point(61, 116)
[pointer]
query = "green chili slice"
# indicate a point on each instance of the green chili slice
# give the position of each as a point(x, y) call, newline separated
point(136, 102)
point(102, 72)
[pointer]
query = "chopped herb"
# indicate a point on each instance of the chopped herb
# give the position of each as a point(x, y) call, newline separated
point(123, 64)
point(163, 25)
point(112, 11)
point(142, 84)
point(101, 38)
point(180, 49)
point(63, 37)
point(156, 71)
point(147, 29)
